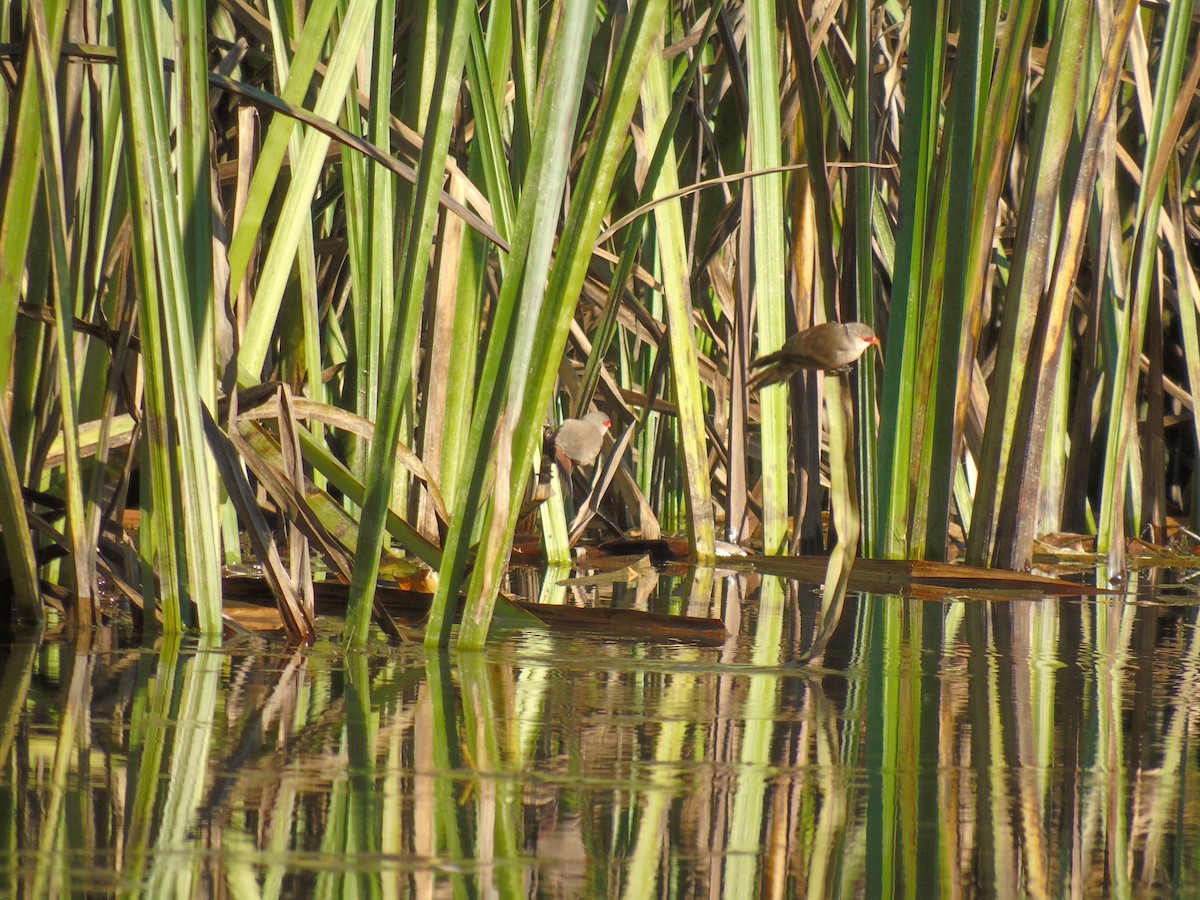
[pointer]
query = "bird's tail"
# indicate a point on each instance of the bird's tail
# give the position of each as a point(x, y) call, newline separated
point(771, 370)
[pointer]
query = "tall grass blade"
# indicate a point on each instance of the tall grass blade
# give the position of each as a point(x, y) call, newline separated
point(82, 558)
point(1163, 123)
point(193, 182)
point(936, 475)
point(298, 74)
point(917, 199)
point(277, 267)
point(421, 219)
point(518, 342)
point(765, 150)
point(685, 369)
point(23, 165)
point(181, 488)
point(1030, 261)
point(567, 277)
point(863, 275)
point(1018, 526)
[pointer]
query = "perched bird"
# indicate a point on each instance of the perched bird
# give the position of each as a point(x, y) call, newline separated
point(578, 441)
point(833, 347)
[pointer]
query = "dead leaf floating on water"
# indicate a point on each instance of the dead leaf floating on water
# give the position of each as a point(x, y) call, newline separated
point(626, 574)
point(892, 576)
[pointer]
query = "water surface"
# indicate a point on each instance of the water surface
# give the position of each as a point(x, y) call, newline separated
point(963, 747)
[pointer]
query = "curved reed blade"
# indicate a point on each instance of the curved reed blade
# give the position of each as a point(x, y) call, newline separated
point(328, 465)
point(844, 513)
point(296, 614)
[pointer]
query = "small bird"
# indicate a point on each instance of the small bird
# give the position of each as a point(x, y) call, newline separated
point(578, 441)
point(833, 347)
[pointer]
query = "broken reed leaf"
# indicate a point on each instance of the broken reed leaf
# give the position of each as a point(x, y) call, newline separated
point(891, 576)
point(412, 607)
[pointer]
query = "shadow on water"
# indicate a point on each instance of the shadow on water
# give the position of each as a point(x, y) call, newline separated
point(964, 747)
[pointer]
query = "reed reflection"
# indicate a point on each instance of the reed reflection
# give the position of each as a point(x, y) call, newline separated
point(963, 746)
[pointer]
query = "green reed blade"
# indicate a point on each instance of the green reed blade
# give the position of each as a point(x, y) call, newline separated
point(567, 275)
point(516, 351)
point(917, 199)
point(421, 219)
point(993, 519)
point(185, 533)
point(1162, 132)
point(82, 555)
point(685, 369)
point(297, 74)
point(293, 217)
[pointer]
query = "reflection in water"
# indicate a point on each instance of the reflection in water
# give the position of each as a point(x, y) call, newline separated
point(1024, 748)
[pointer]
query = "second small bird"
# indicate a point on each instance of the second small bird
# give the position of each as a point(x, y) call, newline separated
point(831, 347)
point(578, 441)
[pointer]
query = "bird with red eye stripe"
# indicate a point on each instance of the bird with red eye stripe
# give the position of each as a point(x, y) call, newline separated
point(832, 347)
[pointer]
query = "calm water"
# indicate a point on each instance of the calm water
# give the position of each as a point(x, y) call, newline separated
point(971, 747)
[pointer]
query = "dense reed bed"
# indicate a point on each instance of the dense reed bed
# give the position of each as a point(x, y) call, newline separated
point(313, 277)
